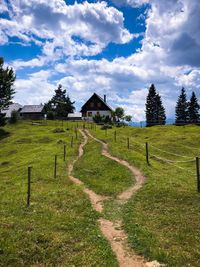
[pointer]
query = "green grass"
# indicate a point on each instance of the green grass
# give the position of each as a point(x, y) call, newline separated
point(162, 220)
point(101, 174)
point(60, 227)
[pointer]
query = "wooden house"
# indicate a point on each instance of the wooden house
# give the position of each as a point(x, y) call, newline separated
point(32, 112)
point(95, 105)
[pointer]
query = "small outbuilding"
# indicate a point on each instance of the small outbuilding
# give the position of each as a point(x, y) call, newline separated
point(32, 112)
point(95, 105)
point(76, 116)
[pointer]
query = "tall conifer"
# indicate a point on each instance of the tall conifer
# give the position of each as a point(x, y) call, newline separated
point(7, 79)
point(155, 112)
point(182, 109)
point(193, 110)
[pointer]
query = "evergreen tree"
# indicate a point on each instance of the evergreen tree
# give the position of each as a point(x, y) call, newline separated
point(60, 104)
point(155, 111)
point(160, 111)
point(7, 78)
point(193, 110)
point(182, 109)
point(151, 106)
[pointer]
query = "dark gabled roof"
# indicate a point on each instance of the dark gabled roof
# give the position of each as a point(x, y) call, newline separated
point(32, 109)
point(100, 98)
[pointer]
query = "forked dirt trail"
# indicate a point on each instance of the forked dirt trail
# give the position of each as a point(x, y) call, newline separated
point(113, 231)
point(137, 175)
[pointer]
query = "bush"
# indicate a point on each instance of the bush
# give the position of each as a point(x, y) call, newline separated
point(50, 115)
point(14, 117)
point(2, 119)
point(101, 119)
point(106, 126)
point(97, 118)
point(121, 124)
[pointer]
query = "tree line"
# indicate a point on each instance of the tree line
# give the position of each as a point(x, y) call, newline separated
point(60, 105)
point(186, 112)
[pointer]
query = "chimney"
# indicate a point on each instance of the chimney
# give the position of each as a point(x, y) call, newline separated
point(104, 97)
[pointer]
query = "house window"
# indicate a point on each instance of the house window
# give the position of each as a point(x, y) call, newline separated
point(89, 114)
point(91, 104)
point(99, 104)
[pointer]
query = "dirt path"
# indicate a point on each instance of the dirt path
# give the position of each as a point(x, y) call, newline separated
point(113, 231)
point(95, 199)
point(137, 175)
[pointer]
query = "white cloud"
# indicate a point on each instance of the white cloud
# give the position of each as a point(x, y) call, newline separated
point(79, 29)
point(169, 56)
point(34, 90)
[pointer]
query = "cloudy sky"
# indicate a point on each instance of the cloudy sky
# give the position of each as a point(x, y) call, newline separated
point(116, 47)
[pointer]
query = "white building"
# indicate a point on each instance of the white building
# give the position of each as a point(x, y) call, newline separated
point(95, 105)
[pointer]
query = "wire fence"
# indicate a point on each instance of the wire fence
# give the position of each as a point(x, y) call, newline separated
point(149, 150)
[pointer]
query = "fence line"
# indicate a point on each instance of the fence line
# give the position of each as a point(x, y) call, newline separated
point(170, 153)
point(172, 161)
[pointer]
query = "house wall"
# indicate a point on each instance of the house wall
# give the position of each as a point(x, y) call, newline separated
point(94, 112)
point(32, 116)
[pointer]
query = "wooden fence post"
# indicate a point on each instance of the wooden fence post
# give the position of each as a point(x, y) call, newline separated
point(115, 136)
point(198, 174)
point(29, 186)
point(128, 143)
point(55, 166)
point(64, 152)
point(147, 153)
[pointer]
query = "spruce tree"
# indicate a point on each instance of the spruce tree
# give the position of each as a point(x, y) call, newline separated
point(151, 106)
point(60, 104)
point(193, 110)
point(182, 109)
point(155, 111)
point(7, 78)
point(160, 111)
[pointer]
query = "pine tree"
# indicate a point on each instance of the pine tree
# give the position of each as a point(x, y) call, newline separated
point(151, 106)
point(182, 109)
point(160, 111)
point(60, 104)
point(7, 78)
point(193, 110)
point(155, 111)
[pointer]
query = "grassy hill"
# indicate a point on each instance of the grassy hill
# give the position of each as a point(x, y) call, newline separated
point(163, 219)
point(60, 226)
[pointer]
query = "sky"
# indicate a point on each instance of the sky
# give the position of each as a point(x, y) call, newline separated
point(116, 47)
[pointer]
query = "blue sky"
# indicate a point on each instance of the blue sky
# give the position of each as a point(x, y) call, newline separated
point(116, 47)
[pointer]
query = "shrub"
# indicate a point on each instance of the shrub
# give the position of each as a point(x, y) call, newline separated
point(50, 115)
point(2, 119)
point(14, 117)
point(97, 118)
point(106, 126)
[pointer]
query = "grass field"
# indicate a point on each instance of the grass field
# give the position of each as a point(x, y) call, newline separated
point(163, 219)
point(102, 175)
point(60, 226)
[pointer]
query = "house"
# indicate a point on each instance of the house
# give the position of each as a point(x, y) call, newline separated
point(76, 116)
point(95, 105)
point(32, 112)
point(12, 107)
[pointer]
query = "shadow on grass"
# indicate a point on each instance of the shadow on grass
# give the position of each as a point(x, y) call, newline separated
point(3, 134)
